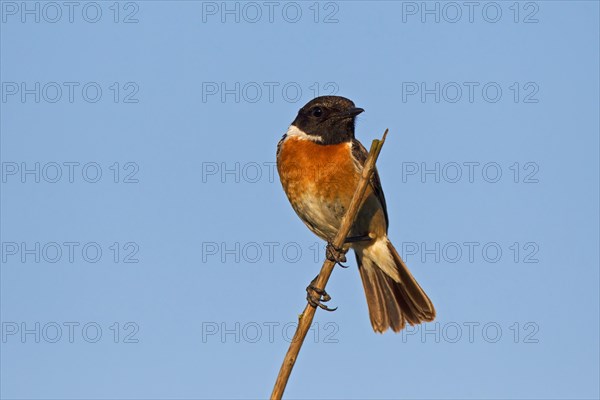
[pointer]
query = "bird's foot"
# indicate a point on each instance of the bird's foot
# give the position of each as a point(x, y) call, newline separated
point(336, 255)
point(316, 297)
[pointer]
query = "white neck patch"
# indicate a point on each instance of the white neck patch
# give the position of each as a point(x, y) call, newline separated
point(300, 134)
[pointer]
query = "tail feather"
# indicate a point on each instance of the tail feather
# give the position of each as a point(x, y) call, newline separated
point(373, 290)
point(393, 295)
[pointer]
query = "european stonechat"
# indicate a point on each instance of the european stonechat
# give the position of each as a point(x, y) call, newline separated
point(319, 163)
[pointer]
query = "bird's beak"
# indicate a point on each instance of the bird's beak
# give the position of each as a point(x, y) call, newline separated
point(353, 112)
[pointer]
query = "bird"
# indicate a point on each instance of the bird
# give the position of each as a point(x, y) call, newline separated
point(319, 162)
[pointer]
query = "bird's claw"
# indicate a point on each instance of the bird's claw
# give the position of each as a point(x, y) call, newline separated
point(336, 255)
point(316, 297)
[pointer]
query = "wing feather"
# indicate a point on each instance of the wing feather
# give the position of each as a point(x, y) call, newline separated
point(360, 154)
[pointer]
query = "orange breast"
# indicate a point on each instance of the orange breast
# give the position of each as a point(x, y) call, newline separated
point(324, 171)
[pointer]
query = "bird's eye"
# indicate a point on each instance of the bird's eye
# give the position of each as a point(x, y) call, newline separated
point(317, 111)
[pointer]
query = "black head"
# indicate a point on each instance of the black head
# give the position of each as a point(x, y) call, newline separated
point(330, 118)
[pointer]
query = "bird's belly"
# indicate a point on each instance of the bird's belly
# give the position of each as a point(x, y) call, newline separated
point(322, 215)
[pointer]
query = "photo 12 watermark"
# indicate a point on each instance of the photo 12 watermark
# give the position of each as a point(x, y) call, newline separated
point(265, 92)
point(71, 252)
point(472, 332)
point(69, 92)
point(70, 12)
point(471, 252)
point(266, 332)
point(71, 172)
point(470, 92)
point(254, 12)
point(470, 172)
point(470, 12)
point(69, 332)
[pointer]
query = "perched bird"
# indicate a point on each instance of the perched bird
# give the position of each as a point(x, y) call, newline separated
point(319, 163)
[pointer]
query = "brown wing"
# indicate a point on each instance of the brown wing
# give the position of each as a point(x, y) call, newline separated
point(360, 154)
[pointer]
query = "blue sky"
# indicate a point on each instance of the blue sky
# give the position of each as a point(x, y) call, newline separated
point(148, 250)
